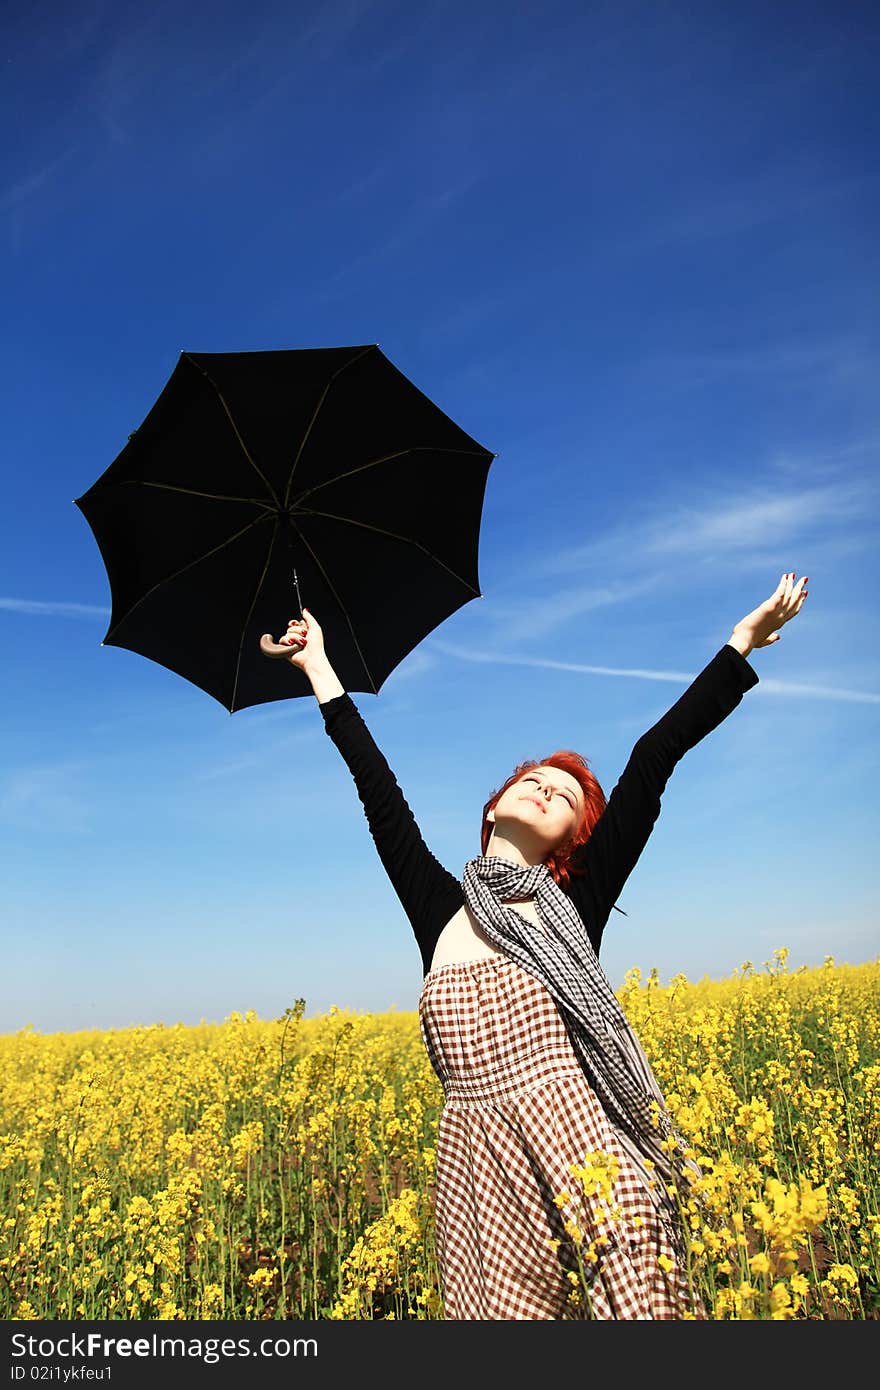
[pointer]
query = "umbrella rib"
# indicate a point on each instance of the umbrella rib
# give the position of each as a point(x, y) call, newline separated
point(388, 458)
point(343, 610)
point(259, 472)
point(393, 535)
point(321, 400)
point(250, 614)
point(194, 492)
point(183, 569)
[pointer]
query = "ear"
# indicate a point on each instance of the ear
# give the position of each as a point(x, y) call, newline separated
point(490, 817)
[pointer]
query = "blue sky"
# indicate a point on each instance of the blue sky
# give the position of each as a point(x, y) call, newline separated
point(633, 250)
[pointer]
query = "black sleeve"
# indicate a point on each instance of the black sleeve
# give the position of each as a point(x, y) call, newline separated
point(622, 831)
point(430, 895)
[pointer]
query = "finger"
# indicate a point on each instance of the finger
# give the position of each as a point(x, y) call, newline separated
point(796, 595)
point(777, 598)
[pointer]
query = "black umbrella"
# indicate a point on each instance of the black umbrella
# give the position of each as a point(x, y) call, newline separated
point(258, 477)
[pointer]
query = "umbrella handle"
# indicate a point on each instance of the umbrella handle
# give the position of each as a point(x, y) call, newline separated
point(274, 649)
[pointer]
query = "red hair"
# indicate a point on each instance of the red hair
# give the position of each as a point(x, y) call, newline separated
point(559, 862)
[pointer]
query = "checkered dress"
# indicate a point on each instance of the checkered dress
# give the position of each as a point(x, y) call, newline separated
point(518, 1111)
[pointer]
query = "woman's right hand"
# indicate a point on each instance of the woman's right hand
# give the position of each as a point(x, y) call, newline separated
point(305, 637)
point(306, 642)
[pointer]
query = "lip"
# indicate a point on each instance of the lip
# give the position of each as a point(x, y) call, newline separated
point(536, 800)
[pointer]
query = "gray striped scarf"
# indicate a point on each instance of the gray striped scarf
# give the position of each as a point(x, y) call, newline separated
point(563, 960)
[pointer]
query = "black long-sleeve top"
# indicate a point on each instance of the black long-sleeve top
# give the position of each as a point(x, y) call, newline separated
point(430, 895)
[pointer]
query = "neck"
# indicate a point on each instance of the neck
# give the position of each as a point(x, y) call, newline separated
point(501, 848)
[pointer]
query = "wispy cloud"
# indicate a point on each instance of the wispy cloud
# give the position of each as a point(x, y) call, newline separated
point(755, 520)
point(749, 519)
point(24, 189)
point(546, 613)
point(275, 711)
point(820, 692)
point(272, 762)
point(828, 692)
point(418, 663)
point(735, 209)
point(53, 609)
point(831, 464)
point(417, 222)
point(44, 798)
point(20, 200)
point(672, 555)
point(272, 68)
point(796, 364)
point(332, 25)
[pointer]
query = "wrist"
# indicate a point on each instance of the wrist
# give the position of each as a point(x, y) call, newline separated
point(741, 641)
point(323, 679)
point(315, 668)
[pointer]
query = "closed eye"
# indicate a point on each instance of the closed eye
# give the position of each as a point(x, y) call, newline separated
point(567, 795)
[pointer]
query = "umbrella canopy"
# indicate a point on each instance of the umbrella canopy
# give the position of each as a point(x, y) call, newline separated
point(258, 477)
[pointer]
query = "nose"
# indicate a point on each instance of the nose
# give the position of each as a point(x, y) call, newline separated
point(548, 792)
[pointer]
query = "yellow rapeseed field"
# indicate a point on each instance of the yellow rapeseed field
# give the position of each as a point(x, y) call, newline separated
point(283, 1169)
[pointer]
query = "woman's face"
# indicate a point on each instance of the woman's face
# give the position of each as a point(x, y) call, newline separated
point(546, 801)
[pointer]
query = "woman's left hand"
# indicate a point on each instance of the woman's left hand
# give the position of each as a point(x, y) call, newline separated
point(761, 626)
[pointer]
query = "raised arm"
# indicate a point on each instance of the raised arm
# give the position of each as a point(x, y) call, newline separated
point(429, 894)
point(622, 831)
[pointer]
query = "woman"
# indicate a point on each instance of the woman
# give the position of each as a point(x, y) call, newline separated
point(539, 1066)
